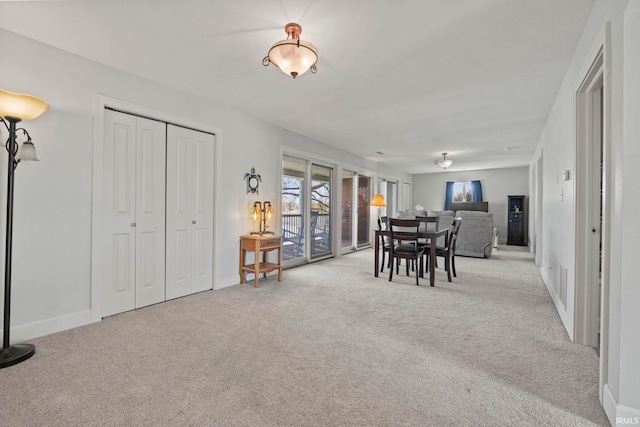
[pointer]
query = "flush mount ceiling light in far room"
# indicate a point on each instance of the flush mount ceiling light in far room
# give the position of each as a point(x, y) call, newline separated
point(292, 55)
point(444, 161)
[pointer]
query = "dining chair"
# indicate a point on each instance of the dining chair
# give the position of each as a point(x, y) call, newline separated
point(425, 225)
point(448, 250)
point(406, 233)
point(383, 224)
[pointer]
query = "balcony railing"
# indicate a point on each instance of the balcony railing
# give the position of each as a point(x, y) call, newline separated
point(293, 235)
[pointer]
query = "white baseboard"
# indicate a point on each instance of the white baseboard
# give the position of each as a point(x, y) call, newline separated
point(225, 282)
point(562, 313)
point(609, 404)
point(49, 326)
point(618, 415)
point(626, 416)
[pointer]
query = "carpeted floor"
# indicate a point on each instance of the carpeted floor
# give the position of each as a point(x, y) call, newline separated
point(329, 345)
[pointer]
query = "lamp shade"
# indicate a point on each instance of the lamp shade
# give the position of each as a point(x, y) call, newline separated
point(21, 106)
point(293, 56)
point(26, 152)
point(444, 161)
point(378, 201)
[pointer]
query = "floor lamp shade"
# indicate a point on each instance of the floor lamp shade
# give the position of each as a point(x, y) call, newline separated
point(378, 201)
point(21, 106)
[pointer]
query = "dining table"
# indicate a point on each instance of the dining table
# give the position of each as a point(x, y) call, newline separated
point(431, 236)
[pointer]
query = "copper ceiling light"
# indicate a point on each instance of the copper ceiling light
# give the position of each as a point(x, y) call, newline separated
point(292, 55)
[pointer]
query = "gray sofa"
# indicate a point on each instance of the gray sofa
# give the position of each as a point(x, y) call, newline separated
point(445, 218)
point(475, 237)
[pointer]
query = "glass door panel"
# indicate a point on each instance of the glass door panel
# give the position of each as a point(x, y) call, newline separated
point(320, 227)
point(364, 210)
point(347, 209)
point(391, 198)
point(293, 208)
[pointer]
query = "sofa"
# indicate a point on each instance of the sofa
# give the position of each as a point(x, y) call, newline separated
point(476, 235)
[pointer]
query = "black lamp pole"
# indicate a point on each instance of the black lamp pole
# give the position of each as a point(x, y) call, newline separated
point(11, 354)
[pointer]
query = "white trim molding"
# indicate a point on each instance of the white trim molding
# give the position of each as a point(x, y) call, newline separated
point(49, 326)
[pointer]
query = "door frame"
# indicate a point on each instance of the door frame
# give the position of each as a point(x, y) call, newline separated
point(594, 78)
point(100, 103)
point(336, 192)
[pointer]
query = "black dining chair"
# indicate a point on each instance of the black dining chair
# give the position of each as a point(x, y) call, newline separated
point(406, 233)
point(427, 223)
point(448, 250)
point(383, 224)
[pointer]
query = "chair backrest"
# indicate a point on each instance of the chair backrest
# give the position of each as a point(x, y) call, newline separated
point(383, 223)
point(404, 230)
point(425, 221)
point(455, 228)
point(314, 223)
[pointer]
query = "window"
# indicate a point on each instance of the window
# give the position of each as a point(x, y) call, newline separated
point(462, 192)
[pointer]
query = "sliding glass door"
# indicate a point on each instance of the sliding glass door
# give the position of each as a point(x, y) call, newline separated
point(306, 210)
point(364, 210)
point(320, 210)
point(356, 211)
point(293, 207)
point(348, 191)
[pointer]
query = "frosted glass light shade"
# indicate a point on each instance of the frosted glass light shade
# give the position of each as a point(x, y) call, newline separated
point(21, 106)
point(444, 161)
point(378, 201)
point(26, 152)
point(293, 59)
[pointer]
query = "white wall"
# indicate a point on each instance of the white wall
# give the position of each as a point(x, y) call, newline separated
point(52, 220)
point(620, 371)
point(629, 394)
point(497, 184)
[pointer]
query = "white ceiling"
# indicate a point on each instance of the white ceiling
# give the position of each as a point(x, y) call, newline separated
point(408, 78)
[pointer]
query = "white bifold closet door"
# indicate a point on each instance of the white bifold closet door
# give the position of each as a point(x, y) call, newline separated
point(133, 201)
point(190, 161)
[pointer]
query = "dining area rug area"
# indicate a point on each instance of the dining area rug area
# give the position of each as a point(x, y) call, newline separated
point(328, 345)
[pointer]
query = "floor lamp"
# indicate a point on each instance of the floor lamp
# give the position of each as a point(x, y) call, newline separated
point(14, 108)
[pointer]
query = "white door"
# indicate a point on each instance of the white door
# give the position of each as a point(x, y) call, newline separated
point(190, 161)
point(133, 213)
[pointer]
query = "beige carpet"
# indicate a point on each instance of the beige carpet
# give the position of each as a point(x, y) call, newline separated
point(329, 345)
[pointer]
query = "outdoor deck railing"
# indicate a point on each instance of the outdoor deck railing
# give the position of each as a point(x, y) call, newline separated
point(293, 235)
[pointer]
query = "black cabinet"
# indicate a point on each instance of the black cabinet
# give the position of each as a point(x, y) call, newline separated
point(517, 227)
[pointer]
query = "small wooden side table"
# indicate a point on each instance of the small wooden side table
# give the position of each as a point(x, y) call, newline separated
point(260, 244)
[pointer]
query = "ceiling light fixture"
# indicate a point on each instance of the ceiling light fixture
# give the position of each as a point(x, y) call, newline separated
point(292, 55)
point(444, 161)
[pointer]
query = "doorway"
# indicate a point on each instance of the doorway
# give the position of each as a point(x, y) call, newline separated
point(591, 265)
point(306, 206)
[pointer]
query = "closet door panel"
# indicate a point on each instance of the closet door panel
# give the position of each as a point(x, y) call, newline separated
point(203, 211)
point(118, 192)
point(189, 211)
point(150, 212)
point(179, 188)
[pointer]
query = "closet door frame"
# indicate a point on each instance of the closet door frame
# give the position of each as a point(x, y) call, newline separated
point(102, 102)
